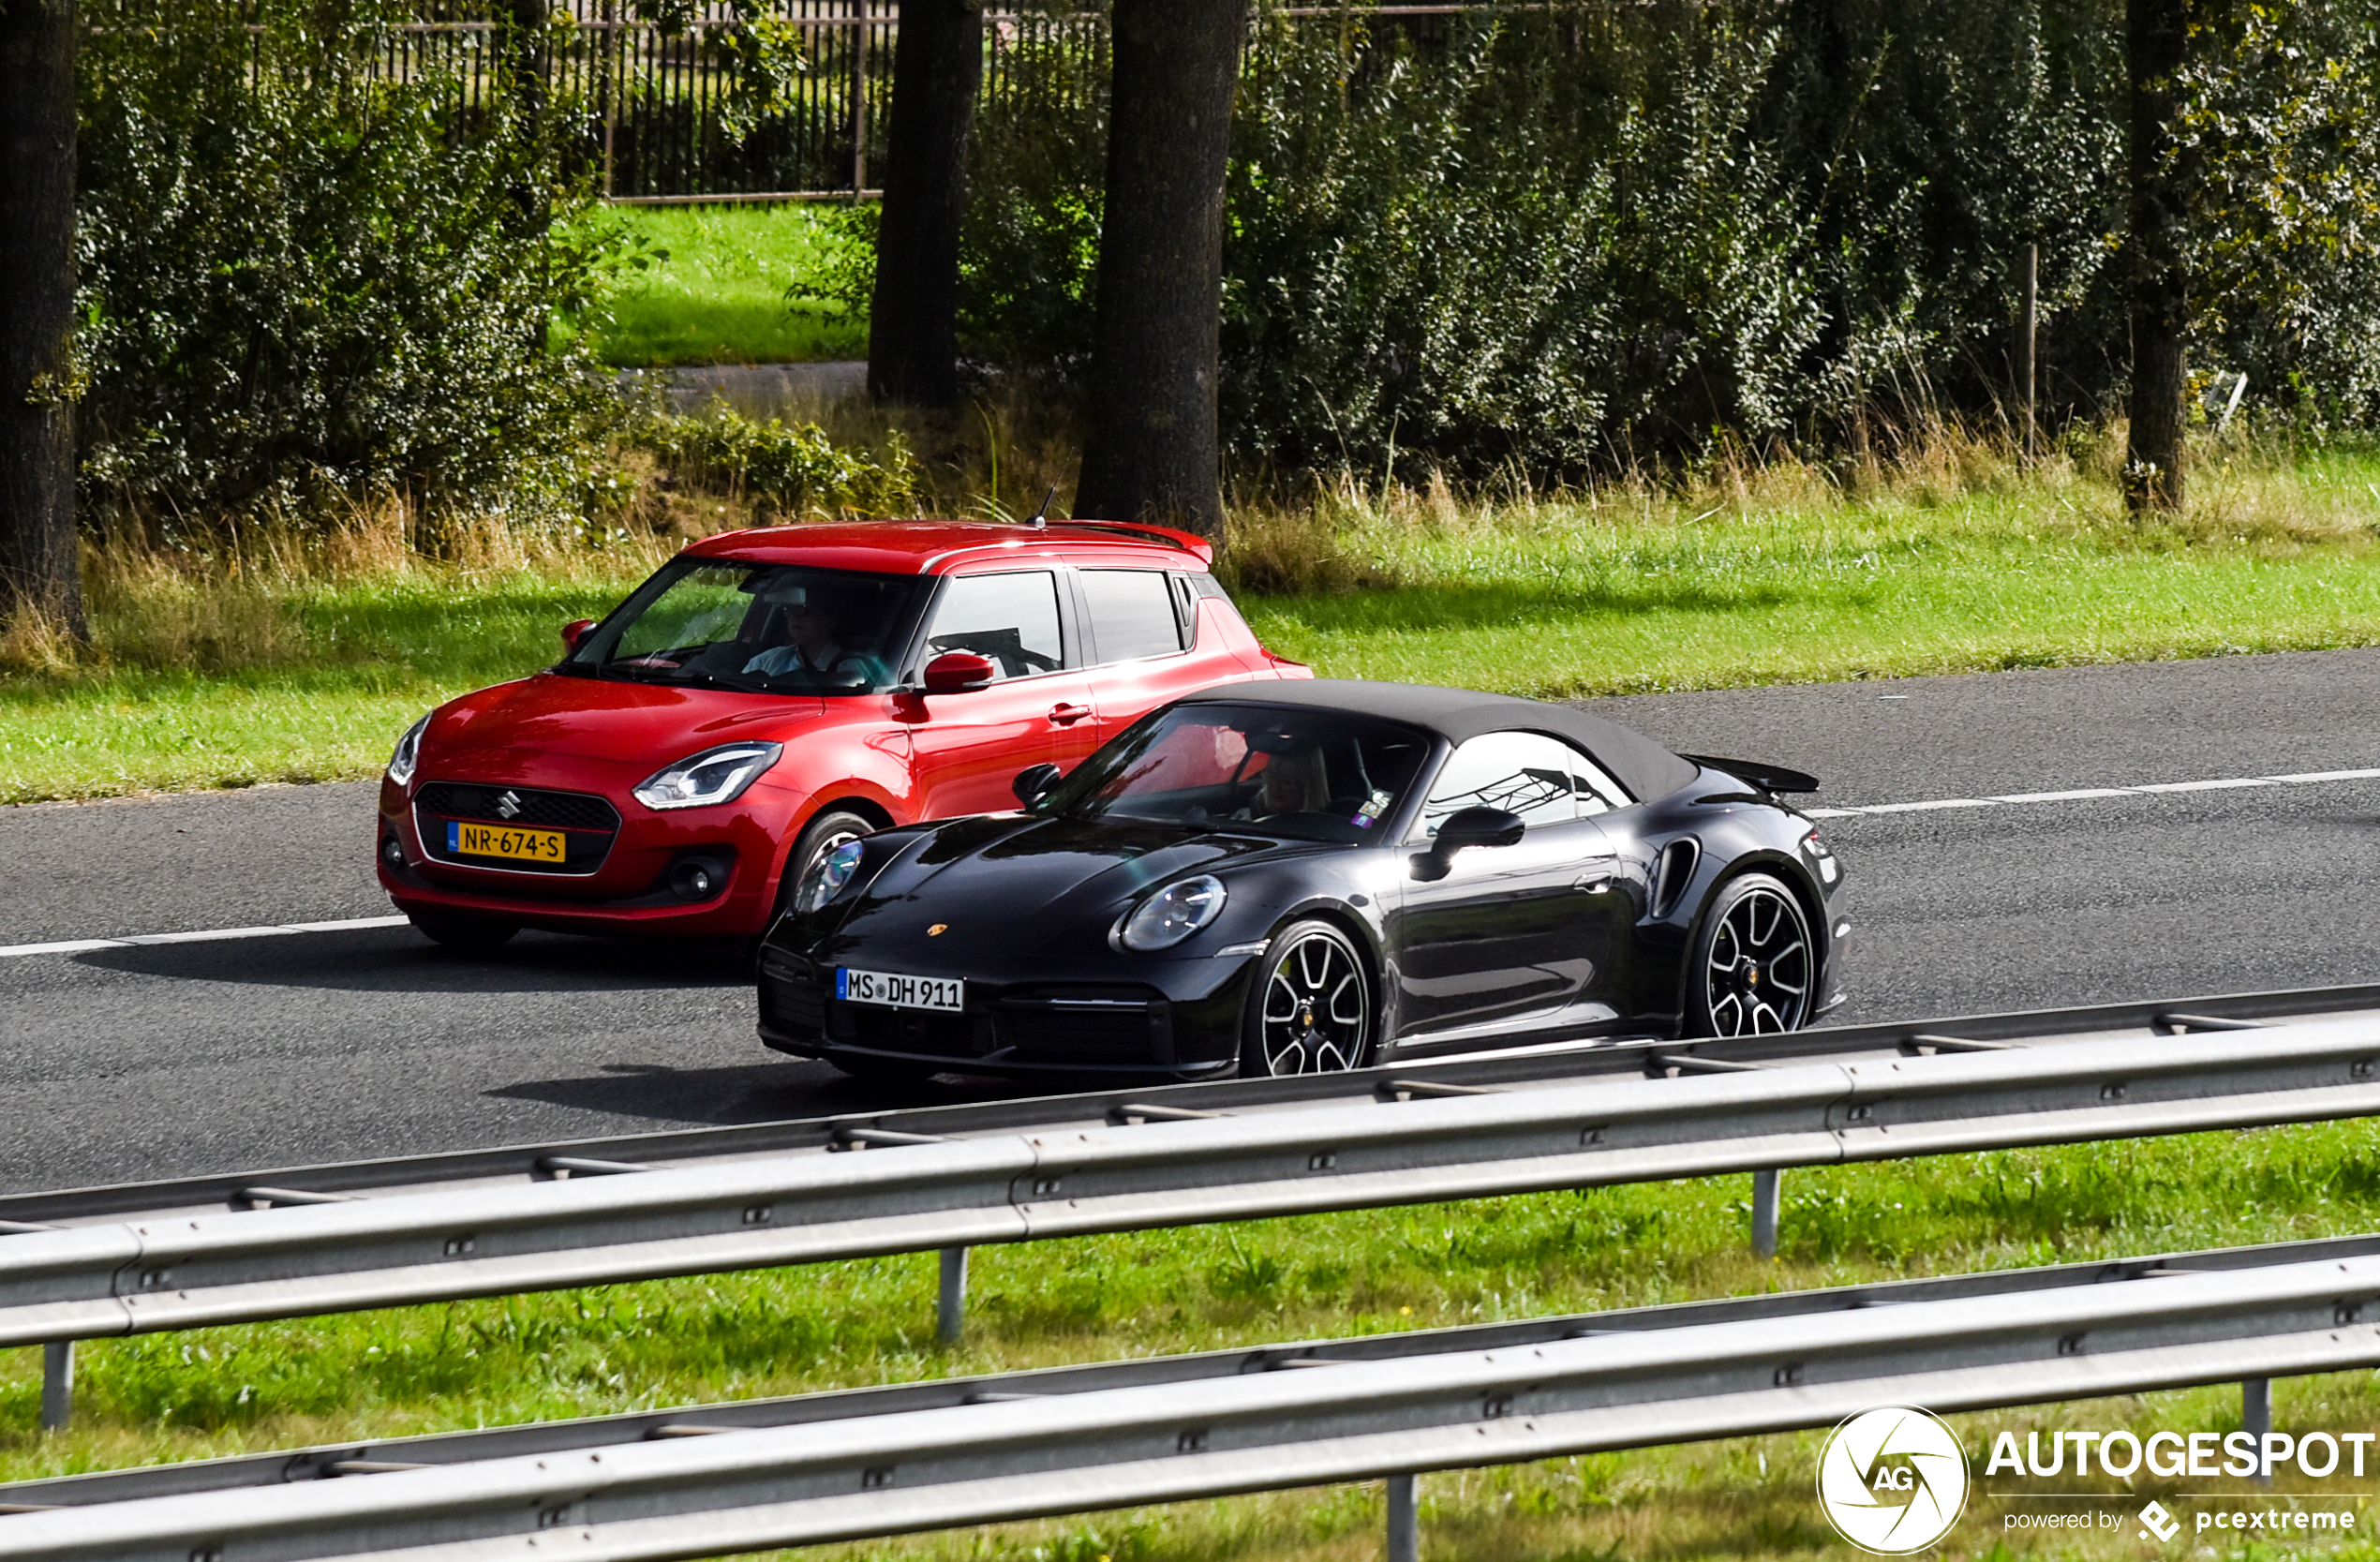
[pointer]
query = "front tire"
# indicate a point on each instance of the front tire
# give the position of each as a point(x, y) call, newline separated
point(476, 934)
point(1311, 1011)
point(835, 827)
point(1754, 968)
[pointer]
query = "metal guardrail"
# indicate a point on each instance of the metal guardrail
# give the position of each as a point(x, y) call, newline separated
point(1176, 1156)
point(867, 1463)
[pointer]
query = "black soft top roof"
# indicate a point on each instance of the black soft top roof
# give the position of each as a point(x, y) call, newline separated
point(1643, 767)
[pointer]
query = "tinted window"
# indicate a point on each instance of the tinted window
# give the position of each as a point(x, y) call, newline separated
point(1316, 775)
point(1132, 614)
point(1011, 619)
point(1524, 773)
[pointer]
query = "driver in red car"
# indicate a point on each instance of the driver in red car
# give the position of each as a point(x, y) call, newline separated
point(810, 644)
point(769, 695)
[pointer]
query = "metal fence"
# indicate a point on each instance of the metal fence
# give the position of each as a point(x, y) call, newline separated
point(867, 1463)
point(948, 1178)
point(704, 104)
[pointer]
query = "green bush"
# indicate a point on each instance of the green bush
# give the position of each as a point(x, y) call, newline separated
point(793, 473)
point(1566, 236)
point(301, 281)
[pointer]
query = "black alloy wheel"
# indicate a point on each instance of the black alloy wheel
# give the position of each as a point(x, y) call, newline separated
point(462, 933)
point(1754, 964)
point(1310, 1012)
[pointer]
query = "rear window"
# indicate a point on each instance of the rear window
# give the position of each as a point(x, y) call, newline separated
point(1133, 613)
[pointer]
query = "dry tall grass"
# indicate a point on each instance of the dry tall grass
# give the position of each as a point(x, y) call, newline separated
point(227, 599)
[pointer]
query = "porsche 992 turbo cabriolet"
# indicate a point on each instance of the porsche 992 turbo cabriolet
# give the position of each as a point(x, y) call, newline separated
point(1299, 878)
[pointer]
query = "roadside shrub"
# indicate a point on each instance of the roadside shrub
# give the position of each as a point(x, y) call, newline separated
point(301, 281)
point(1568, 238)
point(786, 473)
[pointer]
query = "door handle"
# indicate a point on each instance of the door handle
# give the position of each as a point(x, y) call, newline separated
point(1067, 715)
point(1597, 876)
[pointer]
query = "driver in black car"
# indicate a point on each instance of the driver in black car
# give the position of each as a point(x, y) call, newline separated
point(1294, 782)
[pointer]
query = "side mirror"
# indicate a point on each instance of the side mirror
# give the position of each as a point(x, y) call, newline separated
point(1033, 783)
point(958, 672)
point(1471, 827)
point(573, 631)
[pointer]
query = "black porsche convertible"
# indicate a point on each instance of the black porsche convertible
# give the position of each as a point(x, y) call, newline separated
point(1316, 876)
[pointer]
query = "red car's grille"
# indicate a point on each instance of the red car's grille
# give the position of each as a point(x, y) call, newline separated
point(567, 810)
point(588, 823)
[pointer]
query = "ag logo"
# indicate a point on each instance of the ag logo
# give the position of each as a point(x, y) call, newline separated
point(1892, 1480)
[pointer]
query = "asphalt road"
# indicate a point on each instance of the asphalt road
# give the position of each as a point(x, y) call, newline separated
point(163, 1060)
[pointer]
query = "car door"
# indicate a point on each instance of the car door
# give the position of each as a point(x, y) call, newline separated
point(968, 747)
point(1519, 936)
point(1141, 628)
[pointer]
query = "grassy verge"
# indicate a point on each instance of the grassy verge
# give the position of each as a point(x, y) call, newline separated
point(293, 668)
point(304, 672)
point(1782, 579)
point(728, 285)
point(634, 1347)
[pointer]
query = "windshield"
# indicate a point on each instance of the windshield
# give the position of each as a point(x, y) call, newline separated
point(1316, 775)
point(783, 628)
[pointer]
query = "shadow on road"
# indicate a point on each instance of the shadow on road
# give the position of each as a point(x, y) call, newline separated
point(398, 960)
point(751, 1093)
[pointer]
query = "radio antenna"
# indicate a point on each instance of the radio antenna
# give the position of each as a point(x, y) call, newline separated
point(1040, 517)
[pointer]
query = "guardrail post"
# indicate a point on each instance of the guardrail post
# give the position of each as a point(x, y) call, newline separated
point(1765, 1213)
point(57, 1385)
point(2255, 1418)
point(950, 1306)
point(1404, 1520)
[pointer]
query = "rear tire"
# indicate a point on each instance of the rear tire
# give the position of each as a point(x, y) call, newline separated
point(1754, 968)
point(462, 932)
point(1311, 1010)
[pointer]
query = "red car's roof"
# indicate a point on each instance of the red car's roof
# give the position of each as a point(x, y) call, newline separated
point(932, 548)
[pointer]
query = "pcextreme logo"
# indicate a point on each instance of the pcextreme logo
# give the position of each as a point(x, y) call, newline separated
point(1892, 1479)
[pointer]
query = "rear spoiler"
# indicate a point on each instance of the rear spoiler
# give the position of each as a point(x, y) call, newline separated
point(1768, 778)
point(1188, 542)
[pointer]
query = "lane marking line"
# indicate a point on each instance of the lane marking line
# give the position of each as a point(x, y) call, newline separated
point(2306, 777)
point(358, 924)
point(211, 935)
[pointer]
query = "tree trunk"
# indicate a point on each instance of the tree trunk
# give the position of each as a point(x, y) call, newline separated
point(913, 321)
point(38, 564)
point(2156, 35)
point(1153, 453)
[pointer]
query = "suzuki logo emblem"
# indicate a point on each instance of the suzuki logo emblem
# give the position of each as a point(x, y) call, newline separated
point(508, 805)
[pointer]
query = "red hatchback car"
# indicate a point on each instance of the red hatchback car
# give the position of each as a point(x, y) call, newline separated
point(769, 695)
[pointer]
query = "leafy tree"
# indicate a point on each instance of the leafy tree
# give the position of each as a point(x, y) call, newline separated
point(301, 279)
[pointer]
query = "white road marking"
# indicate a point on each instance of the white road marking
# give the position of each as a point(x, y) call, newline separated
point(356, 924)
point(2307, 778)
point(211, 935)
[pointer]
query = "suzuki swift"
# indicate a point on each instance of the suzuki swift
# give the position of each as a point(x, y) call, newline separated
point(768, 696)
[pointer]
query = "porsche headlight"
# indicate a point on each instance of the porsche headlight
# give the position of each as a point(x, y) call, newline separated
point(1173, 915)
point(408, 757)
point(714, 775)
point(827, 877)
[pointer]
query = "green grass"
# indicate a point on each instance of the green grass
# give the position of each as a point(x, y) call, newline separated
point(636, 1346)
point(338, 671)
point(1616, 593)
point(1621, 596)
point(728, 285)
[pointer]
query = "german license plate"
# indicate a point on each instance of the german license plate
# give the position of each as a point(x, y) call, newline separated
point(945, 993)
point(502, 841)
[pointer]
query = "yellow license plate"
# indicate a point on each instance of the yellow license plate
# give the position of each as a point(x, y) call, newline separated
point(502, 841)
